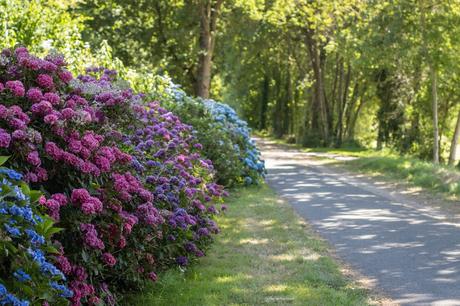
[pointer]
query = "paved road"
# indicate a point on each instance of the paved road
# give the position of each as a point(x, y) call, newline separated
point(413, 255)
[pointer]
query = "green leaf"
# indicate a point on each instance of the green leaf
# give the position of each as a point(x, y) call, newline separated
point(34, 195)
point(25, 188)
point(53, 231)
point(3, 159)
point(84, 256)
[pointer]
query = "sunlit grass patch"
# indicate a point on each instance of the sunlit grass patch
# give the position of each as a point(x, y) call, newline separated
point(265, 255)
point(437, 178)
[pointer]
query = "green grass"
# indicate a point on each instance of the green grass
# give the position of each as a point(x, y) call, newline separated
point(433, 178)
point(441, 179)
point(436, 178)
point(265, 255)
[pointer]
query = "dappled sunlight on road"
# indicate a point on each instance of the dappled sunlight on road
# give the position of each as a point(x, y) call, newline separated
point(412, 255)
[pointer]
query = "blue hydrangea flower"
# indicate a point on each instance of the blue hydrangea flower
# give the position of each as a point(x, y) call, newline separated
point(19, 221)
point(13, 231)
point(34, 237)
point(3, 290)
point(65, 292)
point(22, 276)
point(11, 174)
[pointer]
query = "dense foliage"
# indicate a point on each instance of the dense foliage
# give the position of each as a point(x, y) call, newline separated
point(320, 73)
point(224, 136)
point(124, 177)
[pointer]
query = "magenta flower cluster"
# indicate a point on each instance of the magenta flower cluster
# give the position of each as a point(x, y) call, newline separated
point(125, 178)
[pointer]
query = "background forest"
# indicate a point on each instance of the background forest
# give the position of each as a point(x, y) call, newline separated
point(379, 74)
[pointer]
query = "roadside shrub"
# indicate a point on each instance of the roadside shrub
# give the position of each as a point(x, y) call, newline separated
point(167, 160)
point(65, 147)
point(244, 146)
point(67, 135)
point(27, 273)
point(225, 138)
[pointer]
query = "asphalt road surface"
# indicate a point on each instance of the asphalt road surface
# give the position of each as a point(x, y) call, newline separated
point(411, 254)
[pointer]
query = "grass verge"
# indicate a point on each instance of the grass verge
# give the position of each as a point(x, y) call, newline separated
point(441, 179)
point(265, 255)
point(435, 178)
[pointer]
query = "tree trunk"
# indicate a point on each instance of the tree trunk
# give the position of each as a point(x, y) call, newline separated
point(434, 82)
point(264, 103)
point(453, 146)
point(209, 11)
point(351, 107)
point(287, 101)
point(354, 118)
point(434, 105)
point(318, 101)
point(277, 114)
point(342, 106)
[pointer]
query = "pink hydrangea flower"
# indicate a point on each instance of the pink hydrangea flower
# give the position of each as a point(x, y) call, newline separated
point(103, 163)
point(65, 76)
point(48, 66)
point(42, 174)
point(5, 139)
point(19, 135)
point(60, 198)
point(42, 108)
point(64, 264)
point(75, 145)
point(90, 141)
point(91, 206)
point(68, 113)
point(91, 236)
point(30, 177)
point(122, 242)
point(79, 195)
point(45, 81)
point(109, 259)
point(33, 158)
point(3, 111)
point(53, 150)
point(152, 276)
point(21, 50)
point(51, 97)
point(16, 123)
point(51, 119)
point(80, 273)
point(34, 94)
point(16, 88)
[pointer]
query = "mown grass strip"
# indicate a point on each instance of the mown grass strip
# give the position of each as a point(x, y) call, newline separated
point(265, 255)
point(424, 174)
point(436, 178)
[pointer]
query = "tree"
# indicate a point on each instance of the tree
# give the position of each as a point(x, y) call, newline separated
point(454, 144)
point(209, 12)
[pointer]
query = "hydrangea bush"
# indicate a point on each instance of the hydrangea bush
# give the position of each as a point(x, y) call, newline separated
point(244, 146)
point(123, 178)
point(27, 272)
point(225, 137)
point(166, 159)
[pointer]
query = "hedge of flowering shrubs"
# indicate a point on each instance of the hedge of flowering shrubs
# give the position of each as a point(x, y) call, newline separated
point(225, 137)
point(122, 177)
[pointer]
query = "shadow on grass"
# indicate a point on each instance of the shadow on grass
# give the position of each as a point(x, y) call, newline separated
point(265, 255)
